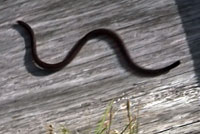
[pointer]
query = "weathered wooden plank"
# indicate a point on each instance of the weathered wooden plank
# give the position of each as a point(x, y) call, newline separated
point(77, 95)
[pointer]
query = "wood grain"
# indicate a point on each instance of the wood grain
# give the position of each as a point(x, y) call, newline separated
point(154, 33)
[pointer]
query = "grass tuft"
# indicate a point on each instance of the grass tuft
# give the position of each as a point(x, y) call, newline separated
point(104, 125)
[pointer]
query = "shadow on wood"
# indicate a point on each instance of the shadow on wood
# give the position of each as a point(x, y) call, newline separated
point(189, 11)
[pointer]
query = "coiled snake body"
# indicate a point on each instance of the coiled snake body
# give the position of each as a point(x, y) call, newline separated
point(77, 47)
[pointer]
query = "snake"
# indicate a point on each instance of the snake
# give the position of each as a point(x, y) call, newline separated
point(118, 42)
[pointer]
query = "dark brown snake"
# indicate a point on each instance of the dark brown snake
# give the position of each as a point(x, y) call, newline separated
point(77, 47)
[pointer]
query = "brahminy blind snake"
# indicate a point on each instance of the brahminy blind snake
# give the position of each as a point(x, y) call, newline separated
point(77, 47)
